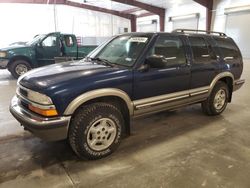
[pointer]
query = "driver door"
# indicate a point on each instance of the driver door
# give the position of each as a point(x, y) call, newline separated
point(156, 86)
point(47, 50)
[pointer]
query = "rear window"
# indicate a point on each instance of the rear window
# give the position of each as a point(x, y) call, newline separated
point(228, 48)
point(68, 41)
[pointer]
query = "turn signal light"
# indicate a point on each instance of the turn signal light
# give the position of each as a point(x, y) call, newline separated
point(47, 112)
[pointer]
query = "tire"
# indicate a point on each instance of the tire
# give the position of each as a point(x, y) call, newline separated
point(217, 101)
point(19, 67)
point(96, 130)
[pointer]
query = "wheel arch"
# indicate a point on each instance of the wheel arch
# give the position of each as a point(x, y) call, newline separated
point(106, 92)
point(20, 57)
point(226, 77)
point(110, 95)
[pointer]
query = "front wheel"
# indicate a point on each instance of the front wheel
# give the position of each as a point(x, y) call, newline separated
point(95, 130)
point(217, 101)
point(18, 68)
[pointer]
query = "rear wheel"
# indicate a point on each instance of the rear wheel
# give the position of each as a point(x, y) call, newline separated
point(18, 68)
point(217, 101)
point(95, 130)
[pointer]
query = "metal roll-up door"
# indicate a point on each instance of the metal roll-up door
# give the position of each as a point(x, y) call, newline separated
point(147, 26)
point(237, 27)
point(190, 21)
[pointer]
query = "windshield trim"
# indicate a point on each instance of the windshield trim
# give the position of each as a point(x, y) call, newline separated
point(35, 41)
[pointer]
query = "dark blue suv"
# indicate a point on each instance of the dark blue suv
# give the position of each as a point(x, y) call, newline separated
point(90, 102)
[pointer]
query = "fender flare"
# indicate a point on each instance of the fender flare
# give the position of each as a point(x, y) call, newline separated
point(106, 92)
point(218, 77)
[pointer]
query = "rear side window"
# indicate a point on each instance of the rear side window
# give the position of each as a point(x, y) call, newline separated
point(202, 51)
point(69, 41)
point(228, 48)
point(171, 48)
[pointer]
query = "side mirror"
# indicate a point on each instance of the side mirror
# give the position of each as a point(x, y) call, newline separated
point(156, 61)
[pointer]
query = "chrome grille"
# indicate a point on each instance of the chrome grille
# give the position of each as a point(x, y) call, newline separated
point(23, 92)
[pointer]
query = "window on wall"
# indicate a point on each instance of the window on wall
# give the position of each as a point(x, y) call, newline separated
point(228, 48)
point(202, 51)
point(171, 49)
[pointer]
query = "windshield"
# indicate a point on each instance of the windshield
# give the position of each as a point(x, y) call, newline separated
point(122, 50)
point(35, 40)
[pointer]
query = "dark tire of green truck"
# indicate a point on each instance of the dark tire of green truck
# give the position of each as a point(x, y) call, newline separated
point(96, 130)
point(19, 67)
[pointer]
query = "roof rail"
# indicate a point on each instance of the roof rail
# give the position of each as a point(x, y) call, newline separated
point(198, 31)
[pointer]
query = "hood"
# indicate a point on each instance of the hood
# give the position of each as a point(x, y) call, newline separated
point(18, 50)
point(67, 73)
point(15, 47)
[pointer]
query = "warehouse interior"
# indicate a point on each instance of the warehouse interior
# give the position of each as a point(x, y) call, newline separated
point(179, 148)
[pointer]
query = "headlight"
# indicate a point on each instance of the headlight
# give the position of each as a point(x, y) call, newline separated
point(3, 54)
point(38, 97)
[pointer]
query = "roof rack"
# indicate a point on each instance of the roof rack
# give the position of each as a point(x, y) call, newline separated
point(198, 31)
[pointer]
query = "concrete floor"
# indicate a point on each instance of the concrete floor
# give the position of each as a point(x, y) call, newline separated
point(170, 149)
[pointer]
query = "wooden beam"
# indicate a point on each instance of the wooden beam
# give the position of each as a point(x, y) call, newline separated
point(153, 9)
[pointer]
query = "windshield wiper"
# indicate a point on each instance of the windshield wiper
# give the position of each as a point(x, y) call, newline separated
point(103, 61)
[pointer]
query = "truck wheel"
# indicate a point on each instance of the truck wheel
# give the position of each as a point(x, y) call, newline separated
point(217, 101)
point(95, 130)
point(19, 67)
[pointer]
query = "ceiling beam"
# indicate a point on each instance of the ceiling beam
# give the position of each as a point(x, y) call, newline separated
point(131, 17)
point(99, 9)
point(150, 8)
point(132, 10)
point(145, 14)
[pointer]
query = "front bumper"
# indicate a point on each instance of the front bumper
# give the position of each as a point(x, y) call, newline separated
point(49, 129)
point(238, 84)
point(3, 63)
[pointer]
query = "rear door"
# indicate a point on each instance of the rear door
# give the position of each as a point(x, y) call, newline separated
point(205, 64)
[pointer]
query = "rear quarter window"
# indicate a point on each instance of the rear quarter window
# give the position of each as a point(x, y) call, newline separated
point(228, 48)
point(202, 51)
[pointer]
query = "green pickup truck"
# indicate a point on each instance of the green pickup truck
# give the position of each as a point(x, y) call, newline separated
point(42, 50)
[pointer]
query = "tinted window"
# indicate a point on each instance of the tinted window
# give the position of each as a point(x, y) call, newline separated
point(68, 41)
point(49, 41)
point(171, 48)
point(202, 52)
point(228, 48)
